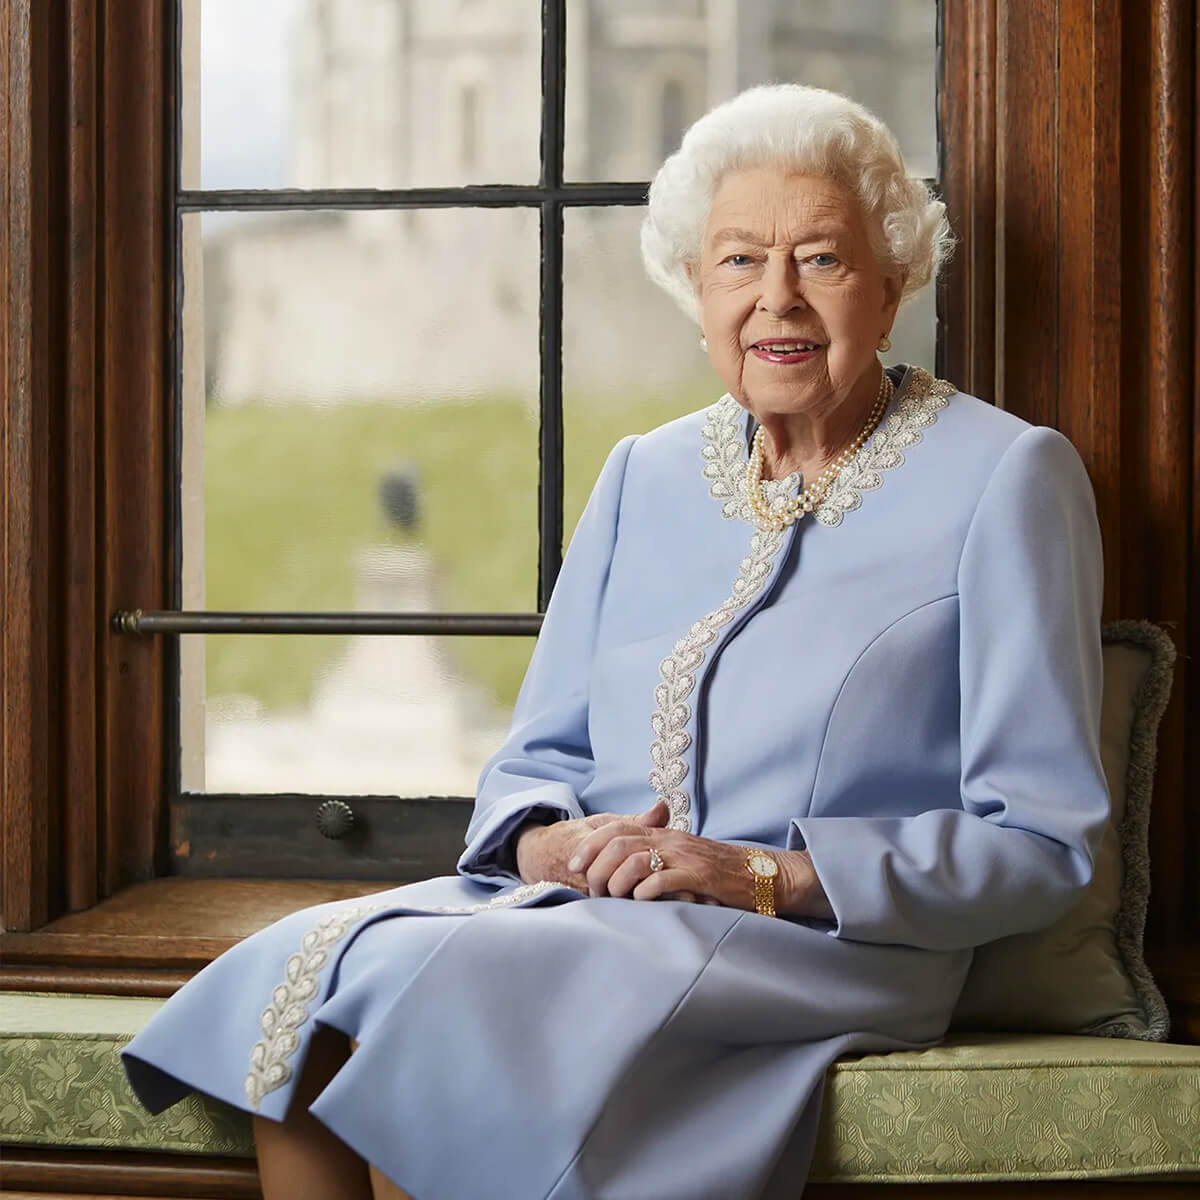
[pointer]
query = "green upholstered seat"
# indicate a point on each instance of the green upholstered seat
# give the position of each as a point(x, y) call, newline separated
point(980, 1107)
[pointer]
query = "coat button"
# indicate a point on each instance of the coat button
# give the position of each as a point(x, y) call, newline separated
point(335, 819)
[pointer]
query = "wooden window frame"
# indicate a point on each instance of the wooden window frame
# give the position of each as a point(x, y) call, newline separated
point(1068, 134)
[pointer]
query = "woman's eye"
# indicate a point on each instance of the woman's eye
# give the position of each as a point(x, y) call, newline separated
point(824, 260)
point(739, 260)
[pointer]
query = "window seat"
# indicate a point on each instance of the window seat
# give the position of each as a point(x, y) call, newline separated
point(979, 1108)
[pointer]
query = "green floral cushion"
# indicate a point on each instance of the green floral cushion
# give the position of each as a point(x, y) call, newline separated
point(1012, 1106)
point(980, 1107)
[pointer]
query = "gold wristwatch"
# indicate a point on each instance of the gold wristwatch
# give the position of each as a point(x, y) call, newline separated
point(764, 868)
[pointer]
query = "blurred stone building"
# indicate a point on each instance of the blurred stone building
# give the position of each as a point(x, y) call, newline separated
point(405, 305)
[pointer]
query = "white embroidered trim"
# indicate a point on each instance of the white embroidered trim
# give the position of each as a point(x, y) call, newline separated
point(916, 409)
point(724, 451)
point(288, 1010)
point(517, 896)
point(678, 670)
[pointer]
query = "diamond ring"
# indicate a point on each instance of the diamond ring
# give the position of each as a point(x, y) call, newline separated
point(656, 861)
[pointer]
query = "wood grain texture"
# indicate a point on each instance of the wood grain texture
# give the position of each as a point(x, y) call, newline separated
point(1157, 410)
point(967, 149)
point(93, 981)
point(1093, 269)
point(78, 488)
point(26, 764)
point(173, 925)
point(134, 385)
point(1027, 181)
point(88, 1173)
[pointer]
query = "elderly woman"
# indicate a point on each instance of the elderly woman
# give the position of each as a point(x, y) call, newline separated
point(813, 712)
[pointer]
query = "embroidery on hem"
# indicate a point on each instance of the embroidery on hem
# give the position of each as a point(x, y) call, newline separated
point(289, 1007)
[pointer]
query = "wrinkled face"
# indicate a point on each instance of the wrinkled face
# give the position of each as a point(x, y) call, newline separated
point(792, 299)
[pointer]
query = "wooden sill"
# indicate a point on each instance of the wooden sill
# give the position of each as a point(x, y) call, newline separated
point(151, 937)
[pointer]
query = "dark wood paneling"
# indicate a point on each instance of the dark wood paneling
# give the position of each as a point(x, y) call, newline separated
point(78, 471)
point(1027, 187)
point(30, 867)
point(1093, 270)
point(85, 328)
point(1086, 345)
point(967, 148)
point(1155, 398)
point(134, 386)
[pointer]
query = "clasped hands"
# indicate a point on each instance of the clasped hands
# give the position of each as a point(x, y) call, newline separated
point(608, 854)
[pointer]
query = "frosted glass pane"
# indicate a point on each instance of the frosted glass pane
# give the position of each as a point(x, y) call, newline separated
point(639, 73)
point(399, 715)
point(369, 386)
point(363, 93)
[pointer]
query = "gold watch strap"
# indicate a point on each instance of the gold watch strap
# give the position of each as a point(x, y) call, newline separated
point(764, 894)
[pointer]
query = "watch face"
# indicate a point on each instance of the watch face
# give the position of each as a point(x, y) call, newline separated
point(763, 864)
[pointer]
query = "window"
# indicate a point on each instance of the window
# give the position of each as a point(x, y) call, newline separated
point(96, 435)
point(367, 424)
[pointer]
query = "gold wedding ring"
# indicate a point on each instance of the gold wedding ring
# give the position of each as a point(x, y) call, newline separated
point(656, 862)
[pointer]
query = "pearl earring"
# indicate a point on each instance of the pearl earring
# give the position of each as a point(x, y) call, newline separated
point(885, 343)
point(704, 343)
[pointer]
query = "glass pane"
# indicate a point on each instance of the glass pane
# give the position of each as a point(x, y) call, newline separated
point(369, 392)
point(639, 74)
point(408, 716)
point(631, 359)
point(363, 93)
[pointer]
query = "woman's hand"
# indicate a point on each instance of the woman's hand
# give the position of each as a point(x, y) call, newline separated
point(544, 851)
point(616, 861)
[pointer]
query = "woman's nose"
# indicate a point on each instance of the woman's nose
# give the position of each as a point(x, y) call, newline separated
point(781, 291)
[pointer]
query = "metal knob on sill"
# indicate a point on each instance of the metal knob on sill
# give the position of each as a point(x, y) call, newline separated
point(335, 819)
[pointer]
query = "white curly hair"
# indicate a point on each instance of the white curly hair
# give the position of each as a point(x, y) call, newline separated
point(803, 129)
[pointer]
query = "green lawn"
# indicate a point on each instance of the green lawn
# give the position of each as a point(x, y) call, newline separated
point(291, 493)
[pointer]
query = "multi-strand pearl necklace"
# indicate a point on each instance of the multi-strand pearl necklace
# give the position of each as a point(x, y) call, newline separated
point(768, 517)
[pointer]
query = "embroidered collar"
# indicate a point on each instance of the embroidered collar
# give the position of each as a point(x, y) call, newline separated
point(724, 453)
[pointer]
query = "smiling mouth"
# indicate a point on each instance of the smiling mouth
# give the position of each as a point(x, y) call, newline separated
point(783, 353)
point(779, 347)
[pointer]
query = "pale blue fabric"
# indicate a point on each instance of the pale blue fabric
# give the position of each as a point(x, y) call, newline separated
point(913, 696)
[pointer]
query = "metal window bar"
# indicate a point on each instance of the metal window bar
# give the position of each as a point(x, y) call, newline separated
point(435, 624)
point(497, 195)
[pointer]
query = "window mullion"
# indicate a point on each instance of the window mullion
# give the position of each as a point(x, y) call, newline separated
point(550, 446)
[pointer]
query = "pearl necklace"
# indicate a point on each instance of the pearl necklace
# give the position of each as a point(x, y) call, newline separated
point(769, 518)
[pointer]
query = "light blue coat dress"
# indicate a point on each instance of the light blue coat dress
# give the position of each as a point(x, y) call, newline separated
point(906, 684)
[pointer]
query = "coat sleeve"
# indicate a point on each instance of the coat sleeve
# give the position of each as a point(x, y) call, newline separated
point(546, 761)
point(1034, 799)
